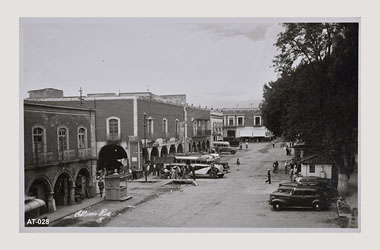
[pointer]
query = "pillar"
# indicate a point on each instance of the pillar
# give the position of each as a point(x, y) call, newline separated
point(72, 193)
point(51, 202)
point(65, 192)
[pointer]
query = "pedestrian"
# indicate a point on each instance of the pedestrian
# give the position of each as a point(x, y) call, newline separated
point(237, 164)
point(193, 172)
point(268, 180)
point(246, 145)
point(101, 187)
point(134, 173)
point(275, 166)
point(184, 172)
point(291, 172)
point(273, 144)
point(286, 167)
point(241, 146)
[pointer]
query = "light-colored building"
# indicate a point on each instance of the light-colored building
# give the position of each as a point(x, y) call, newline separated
point(245, 124)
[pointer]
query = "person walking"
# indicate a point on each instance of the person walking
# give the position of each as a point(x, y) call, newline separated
point(246, 145)
point(237, 164)
point(268, 180)
point(101, 187)
point(192, 172)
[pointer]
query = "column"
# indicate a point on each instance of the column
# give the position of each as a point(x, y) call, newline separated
point(72, 193)
point(51, 202)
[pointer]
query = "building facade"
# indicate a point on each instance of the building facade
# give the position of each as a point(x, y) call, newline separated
point(244, 124)
point(130, 127)
point(59, 153)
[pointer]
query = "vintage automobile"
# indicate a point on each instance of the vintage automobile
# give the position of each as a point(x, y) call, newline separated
point(310, 184)
point(207, 170)
point(299, 197)
point(224, 147)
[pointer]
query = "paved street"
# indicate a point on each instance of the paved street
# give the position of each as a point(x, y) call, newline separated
point(237, 200)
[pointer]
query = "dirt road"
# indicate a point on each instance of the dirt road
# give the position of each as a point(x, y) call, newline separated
point(238, 200)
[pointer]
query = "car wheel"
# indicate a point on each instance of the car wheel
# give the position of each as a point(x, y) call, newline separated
point(277, 206)
point(213, 174)
point(317, 206)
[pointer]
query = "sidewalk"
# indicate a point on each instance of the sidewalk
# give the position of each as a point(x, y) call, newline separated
point(64, 211)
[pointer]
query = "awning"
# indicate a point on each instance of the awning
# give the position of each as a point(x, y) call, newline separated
point(33, 204)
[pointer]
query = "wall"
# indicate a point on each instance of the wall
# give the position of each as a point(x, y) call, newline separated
point(305, 170)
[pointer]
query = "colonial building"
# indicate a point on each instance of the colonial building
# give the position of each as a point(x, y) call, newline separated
point(59, 153)
point(131, 127)
point(216, 119)
point(198, 129)
point(245, 124)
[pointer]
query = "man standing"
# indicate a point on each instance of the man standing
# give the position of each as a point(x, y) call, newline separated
point(269, 180)
point(101, 187)
point(237, 164)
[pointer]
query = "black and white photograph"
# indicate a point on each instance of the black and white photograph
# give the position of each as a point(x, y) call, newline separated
point(193, 124)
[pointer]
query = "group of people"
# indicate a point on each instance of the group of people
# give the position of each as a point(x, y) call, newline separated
point(246, 145)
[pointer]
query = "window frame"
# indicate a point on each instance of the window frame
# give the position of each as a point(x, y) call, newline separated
point(67, 138)
point(108, 127)
point(254, 120)
point(44, 148)
point(85, 137)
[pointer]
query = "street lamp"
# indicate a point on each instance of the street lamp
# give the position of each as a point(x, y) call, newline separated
point(144, 149)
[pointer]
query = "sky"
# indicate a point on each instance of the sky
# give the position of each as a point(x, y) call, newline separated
point(216, 62)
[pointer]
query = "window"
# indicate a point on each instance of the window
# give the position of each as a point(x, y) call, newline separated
point(38, 140)
point(240, 120)
point(164, 125)
point(230, 121)
point(257, 120)
point(177, 128)
point(312, 168)
point(150, 126)
point(297, 192)
point(82, 138)
point(62, 139)
point(113, 128)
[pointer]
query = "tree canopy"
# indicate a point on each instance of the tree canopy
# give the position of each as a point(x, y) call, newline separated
point(315, 99)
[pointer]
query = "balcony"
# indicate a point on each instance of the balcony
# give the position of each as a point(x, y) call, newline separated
point(84, 153)
point(66, 155)
point(201, 133)
point(42, 158)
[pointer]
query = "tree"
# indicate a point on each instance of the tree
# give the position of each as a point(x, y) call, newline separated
point(315, 99)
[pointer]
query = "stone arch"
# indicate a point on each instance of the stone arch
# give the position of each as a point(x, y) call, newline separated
point(194, 148)
point(154, 154)
point(83, 182)
point(203, 146)
point(172, 149)
point(164, 151)
point(40, 187)
point(199, 146)
point(62, 186)
point(179, 148)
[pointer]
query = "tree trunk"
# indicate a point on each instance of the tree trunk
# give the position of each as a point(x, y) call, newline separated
point(342, 183)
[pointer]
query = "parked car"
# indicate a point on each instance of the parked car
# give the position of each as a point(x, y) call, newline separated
point(299, 197)
point(310, 184)
point(284, 189)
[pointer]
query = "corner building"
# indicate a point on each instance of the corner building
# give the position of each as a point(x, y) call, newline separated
point(59, 154)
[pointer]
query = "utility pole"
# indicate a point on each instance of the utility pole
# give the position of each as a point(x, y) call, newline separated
point(144, 149)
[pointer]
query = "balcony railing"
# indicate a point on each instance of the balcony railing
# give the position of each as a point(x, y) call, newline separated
point(84, 153)
point(66, 155)
point(42, 158)
point(200, 133)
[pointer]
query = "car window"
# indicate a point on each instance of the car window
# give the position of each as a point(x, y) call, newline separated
point(297, 192)
point(309, 192)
